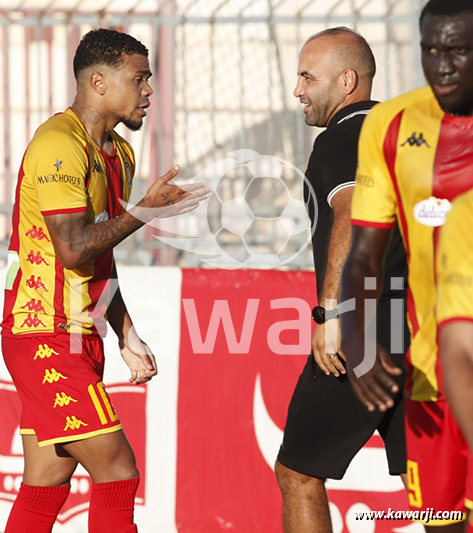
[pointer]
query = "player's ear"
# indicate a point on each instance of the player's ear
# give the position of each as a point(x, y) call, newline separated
point(349, 80)
point(97, 82)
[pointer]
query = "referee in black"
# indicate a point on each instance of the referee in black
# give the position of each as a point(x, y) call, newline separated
point(326, 425)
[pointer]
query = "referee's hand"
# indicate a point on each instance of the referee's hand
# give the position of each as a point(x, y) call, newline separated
point(325, 347)
point(374, 387)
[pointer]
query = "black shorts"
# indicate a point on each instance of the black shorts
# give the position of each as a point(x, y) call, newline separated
point(327, 425)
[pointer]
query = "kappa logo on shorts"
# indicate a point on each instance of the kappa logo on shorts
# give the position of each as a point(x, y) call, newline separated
point(52, 376)
point(62, 399)
point(76, 506)
point(72, 422)
point(44, 351)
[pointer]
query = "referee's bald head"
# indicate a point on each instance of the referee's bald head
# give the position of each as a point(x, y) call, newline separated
point(348, 49)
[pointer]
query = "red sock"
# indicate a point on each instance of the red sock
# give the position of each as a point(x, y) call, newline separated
point(112, 505)
point(36, 508)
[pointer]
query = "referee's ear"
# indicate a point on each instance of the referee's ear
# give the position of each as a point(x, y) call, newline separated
point(349, 80)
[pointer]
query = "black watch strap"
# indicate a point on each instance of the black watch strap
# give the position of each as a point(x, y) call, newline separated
point(320, 315)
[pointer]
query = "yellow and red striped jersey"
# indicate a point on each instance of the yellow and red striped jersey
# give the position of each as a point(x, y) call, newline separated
point(414, 159)
point(63, 171)
point(455, 263)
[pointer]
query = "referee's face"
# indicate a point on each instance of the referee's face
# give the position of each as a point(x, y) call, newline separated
point(447, 59)
point(317, 83)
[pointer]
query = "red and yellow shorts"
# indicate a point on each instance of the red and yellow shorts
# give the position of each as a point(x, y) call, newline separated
point(439, 465)
point(62, 394)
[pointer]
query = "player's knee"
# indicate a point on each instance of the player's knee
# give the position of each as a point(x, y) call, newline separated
point(290, 481)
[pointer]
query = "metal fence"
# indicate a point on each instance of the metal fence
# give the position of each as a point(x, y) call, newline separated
point(224, 75)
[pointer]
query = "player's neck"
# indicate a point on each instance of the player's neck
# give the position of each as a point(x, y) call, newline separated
point(95, 122)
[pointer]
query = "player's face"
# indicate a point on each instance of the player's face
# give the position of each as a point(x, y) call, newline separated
point(317, 86)
point(129, 91)
point(447, 59)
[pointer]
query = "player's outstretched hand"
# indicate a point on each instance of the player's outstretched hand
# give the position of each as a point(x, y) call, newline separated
point(165, 199)
point(374, 387)
point(139, 358)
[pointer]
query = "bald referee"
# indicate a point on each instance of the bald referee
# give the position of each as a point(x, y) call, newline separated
point(326, 426)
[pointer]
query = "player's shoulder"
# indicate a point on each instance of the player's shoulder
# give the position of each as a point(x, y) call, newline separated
point(385, 112)
point(62, 129)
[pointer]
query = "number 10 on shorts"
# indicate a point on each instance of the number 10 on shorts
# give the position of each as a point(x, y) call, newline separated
point(99, 405)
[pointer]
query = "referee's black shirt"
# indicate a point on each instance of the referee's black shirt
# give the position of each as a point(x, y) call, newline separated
point(332, 167)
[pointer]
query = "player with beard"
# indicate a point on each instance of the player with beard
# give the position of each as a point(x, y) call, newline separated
point(67, 218)
point(325, 426)
point(415, 157)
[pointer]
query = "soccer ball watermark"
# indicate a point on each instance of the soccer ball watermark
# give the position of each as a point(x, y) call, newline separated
point(251, 218)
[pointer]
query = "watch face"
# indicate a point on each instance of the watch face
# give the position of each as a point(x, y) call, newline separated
point(318, 314)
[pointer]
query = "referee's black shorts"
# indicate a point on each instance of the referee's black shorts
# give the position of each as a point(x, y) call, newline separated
point(327, 425)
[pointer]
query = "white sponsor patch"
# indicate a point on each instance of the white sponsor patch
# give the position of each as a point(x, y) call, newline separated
point(102, 217)
point(432, 212)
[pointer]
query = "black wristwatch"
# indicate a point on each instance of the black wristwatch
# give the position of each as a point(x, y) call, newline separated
point(320, 315)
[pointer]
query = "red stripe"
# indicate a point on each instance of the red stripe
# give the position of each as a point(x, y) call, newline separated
point(64, 211)
point(390, 154)
point(15, 238)
point(366, 224)
point(59, 314)
point(455, 319)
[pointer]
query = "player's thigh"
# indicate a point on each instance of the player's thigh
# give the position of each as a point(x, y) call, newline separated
point(106, 457)
point(47, 465)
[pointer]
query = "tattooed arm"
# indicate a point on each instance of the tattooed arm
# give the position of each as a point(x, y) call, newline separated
point(76, 242)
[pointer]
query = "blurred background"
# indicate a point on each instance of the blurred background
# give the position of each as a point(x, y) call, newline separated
point(224, 75)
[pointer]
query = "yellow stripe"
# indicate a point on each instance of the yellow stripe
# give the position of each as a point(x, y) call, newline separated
point(27, 432)
point(80, 437)
point(468, 503)
point(106, 401)
point(98, 406)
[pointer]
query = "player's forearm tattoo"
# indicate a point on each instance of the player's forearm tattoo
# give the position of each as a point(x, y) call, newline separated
point(89, 241)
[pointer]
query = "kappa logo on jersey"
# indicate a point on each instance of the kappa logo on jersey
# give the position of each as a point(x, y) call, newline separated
point(36, 283)
point(73, 423)
point(58, 164)
point(52, 376)
point(36, 259)
point(34, 306)
point(432, 212)
point(416, 140)
point(97, 167)
point(37, 233)
point(62, 399)
point(44, 351)
point(32, 321)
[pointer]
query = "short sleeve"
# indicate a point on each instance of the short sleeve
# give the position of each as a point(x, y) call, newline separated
point(374, 199)
point(455, 263)
point(334, 162)
point(58, 165)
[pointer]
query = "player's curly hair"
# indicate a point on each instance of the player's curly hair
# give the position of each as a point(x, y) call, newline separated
point(442, 7)
point(105, 47)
